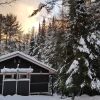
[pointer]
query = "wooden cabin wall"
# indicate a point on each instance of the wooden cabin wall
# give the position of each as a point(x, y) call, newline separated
point(39, 83)
point(12, 63)
point(1, 78)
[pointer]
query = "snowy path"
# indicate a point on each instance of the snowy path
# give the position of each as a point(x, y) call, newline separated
point(41, 97)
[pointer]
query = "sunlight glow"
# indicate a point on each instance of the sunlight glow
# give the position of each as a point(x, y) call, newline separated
point(23, 9)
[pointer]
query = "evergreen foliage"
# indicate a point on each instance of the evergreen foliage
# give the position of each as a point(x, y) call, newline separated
point(37, 42)
point(72, 46)
point(11, 36)
point(9, 30)
point(81, 73)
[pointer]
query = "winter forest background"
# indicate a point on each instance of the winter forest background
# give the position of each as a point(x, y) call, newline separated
point(68, 42)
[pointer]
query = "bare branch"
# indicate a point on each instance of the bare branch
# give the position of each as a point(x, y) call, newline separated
point(7, 2)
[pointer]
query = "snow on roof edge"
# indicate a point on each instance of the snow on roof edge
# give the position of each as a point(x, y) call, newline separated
point(27, 57)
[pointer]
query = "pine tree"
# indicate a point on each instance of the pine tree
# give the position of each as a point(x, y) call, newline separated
point(81, 74)
point(77, 50)
point(0, 27)
point(1, 18)
point(50, 43)
point(65, 53)
point(72, 11)
point(82, 48)
point(37, 43)
point(32, 44)
point(10, 28)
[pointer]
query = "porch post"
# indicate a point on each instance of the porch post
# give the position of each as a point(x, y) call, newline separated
point(29, 82)
point(17, 77)
point(3, 82)
point(52, 84)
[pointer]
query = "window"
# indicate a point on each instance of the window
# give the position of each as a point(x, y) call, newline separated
point(8, 76)
point(22, 76)
point(11, 76)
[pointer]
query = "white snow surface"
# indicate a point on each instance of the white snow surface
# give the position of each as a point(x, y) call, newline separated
point(68, 81)
point(32, 97)
point(43, 97)
point(74, 66)
point(96, 84)
point(24, 79)
point(14, 70)
point(83, 47)
point(90, 74)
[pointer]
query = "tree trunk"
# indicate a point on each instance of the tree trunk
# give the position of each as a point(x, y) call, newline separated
point(0, 37)
point(0, 42)
point(6, 41)
point(73, 96)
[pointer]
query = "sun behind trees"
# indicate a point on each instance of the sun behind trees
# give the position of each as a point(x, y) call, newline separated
point(9, 29)
point(11, 36)
point(69, 43)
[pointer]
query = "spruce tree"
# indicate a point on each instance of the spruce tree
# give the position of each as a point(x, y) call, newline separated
point(50, 43)
point(32, 43)
point(82, 71)
point(41, 41)
point(77, 51)
point(37, 43)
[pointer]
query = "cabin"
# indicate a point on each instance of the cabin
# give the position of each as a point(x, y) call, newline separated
point(23, 75)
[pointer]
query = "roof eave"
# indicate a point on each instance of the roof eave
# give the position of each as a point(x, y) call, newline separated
point(27, 57)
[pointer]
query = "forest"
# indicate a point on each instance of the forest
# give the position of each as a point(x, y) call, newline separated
point(68, 42)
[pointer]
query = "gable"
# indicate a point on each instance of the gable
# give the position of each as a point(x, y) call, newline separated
point(14, 58)
point(23, 63)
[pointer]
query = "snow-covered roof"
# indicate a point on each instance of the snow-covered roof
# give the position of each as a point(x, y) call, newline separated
point(15, 70)
point(28, 58)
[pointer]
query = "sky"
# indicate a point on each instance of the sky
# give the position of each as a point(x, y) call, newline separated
point(22, 9)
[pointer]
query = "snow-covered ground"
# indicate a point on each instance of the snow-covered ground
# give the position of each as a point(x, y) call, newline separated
point(41, 97)
point(32, 97)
